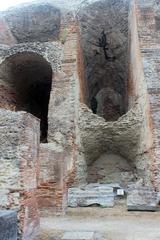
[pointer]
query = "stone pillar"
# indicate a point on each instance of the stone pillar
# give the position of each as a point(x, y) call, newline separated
point(52, 191)
point(19, 142)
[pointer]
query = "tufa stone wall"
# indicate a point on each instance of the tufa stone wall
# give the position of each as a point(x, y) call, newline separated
point(33, 22)
point(19, 166)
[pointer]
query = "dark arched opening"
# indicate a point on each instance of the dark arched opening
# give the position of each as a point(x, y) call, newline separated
point(104, 41)
point(30, 75)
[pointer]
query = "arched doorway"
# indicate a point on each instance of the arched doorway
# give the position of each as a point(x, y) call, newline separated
point(29, 76)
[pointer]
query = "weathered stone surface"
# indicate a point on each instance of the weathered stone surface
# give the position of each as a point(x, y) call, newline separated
point(105, 76)
point(110, 168)
point(141, 199)
point(6, 36)
point(120, 136)
point(52, 183)
point(158, 198)
point(19, 140)
point(93, 194)
point(78, 236)
point(132, 135)
point(8, 225)
point(33, 22)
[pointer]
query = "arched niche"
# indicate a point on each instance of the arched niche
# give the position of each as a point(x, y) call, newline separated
point(29, 76)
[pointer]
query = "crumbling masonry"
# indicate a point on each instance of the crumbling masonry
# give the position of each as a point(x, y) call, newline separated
point(68, 114)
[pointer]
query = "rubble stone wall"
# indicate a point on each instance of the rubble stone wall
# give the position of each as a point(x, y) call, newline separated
point(19, 166)
point(33, 22)
point(50, 52)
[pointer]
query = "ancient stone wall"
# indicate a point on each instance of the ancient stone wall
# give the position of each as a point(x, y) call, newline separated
point(139, 142)
point(33, 22)
point(52, 189)
point(6, 36)
point(137, 95)
point(19, 165)
point(147, 17)
point(105, 22)
point(120, 143)
point(64, 100)
point(10, 55)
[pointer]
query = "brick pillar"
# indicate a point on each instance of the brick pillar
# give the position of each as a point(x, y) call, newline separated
point(52, 191)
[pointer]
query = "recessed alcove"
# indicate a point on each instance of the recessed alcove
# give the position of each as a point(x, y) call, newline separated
point(104, 40)
point(29, 76)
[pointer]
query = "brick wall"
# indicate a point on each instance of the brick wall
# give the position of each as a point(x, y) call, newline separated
point(52, 191)
point(144, 85)
point(150, 48)
point(64, 98)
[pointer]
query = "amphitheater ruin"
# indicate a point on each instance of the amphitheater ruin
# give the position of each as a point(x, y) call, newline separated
point(79, 112)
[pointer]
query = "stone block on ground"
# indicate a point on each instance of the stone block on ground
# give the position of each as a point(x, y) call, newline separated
point(91, 195)
point(78, 236)
point(141, 199)
point(158, 198)
point(8, 225)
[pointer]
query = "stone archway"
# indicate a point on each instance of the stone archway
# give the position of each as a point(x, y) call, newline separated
point(28, 78)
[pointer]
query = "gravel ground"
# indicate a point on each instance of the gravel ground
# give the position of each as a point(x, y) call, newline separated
point(114, 224)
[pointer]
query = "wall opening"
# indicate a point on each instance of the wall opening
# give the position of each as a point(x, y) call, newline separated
point(104, 41)
point(30, 77)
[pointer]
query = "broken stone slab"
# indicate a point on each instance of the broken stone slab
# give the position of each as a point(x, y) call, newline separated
point(8, 225)
point(141, 199)
point(103, 196)
point(78, 236)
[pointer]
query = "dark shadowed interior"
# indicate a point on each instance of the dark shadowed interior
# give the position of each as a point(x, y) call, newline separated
point(104, 40)
point(31, 76)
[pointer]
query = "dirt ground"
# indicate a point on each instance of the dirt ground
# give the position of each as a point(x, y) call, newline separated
point(114, 223)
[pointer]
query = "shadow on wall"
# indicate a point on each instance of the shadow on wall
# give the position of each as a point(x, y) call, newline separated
point(29, 76)
point(104, 40)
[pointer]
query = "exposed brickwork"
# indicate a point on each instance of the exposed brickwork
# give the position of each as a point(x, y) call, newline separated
point(64, 101)
point(51, 192)
point(84, 97)
point(150, 48)
point(34, 176)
